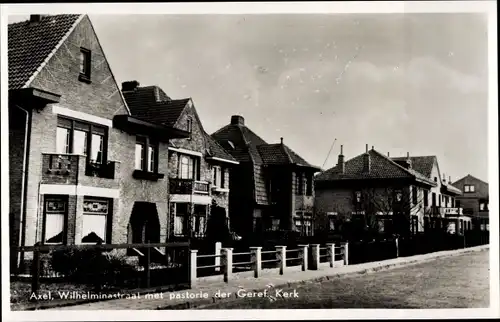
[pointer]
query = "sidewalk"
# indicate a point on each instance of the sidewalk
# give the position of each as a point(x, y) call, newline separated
point(205, 292)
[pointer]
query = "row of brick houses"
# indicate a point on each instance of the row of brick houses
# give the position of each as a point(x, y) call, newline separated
point(372, 189)
point(94, 161)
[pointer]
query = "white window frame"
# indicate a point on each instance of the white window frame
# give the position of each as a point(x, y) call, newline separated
point(217, 176)
point(105, 215)
point(61, 213)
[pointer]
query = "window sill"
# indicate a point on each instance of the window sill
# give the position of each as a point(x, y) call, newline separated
point(217, 189)
point(145, 175)
point(84, 78)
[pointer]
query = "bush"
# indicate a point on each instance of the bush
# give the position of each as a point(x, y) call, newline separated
point(94, 267)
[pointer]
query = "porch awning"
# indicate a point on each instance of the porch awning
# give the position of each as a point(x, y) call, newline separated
point(135, 125)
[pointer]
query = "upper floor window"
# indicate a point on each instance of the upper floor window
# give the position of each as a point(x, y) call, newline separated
point(426, 198)
point(218, 177)
point(309, 185)
point(357, 197)
point(189, 126)
point(469, 188)
point(414, 195)
point(188, 167)
point(146, 155)
point(483, 205)
point(85, 64)
point(398, 195)
point(77, 137)
point(298, 183)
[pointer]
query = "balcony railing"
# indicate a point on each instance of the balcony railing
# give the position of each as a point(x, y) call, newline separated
point(187, 186)
point(102, 170)
point(449, 211)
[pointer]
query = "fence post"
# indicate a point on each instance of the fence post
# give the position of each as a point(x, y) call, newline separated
point(227, 263)
point(35, 270)
point(281, 257)
point(331, 253)
point(193, 267)
point(397, 246)
point(315, 256)
point(256, 259)
point(147, 272)
point(346, 253)
point(303, 255)
point(218, 246)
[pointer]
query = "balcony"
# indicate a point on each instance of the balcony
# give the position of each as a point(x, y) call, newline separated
point(68, 168)
point(188, 186)
point(451, 212)
point(304, 202)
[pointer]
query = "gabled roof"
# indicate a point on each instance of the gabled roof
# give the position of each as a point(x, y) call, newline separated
point(422, 164)
point(30, 45)
point(470, 177)
point(381, 167)
point(150, 103)
point(280, 154)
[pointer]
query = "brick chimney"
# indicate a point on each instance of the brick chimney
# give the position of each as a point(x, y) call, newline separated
point(237, 120)
point(408, 161)
point(281, 140)
point(341, 162)
point(130, 85)
point(366, 161)
point(35, 18)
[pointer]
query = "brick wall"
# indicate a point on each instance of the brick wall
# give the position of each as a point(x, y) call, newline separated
point(99, 98)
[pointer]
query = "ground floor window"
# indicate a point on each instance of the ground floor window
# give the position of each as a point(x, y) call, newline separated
point(303, 223)
point(95, 219)
point(185, 224)
point(55, 214)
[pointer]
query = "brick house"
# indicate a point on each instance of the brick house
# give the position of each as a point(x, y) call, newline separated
point(272, 187)
point(72, 143)
point(444, 211)
point(384, 193)
point(198, 167)
point(474, 200)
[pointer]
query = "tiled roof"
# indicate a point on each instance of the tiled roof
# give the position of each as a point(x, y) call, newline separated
point(216, 150)
point(277, 154)
point(381, 167)
point(150, 103)
point(29, 44)
point(241, 143)
point(422, 164)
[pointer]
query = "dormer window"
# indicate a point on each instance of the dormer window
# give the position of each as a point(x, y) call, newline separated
point(85, 64)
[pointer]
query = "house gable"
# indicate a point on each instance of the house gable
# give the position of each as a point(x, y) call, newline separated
point(101, 97)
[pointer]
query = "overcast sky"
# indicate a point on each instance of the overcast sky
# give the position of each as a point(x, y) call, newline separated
point(412, 83)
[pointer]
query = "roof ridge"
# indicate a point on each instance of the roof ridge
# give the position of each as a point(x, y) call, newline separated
point(392, 162)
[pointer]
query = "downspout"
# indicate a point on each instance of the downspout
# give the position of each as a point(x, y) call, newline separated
point(22, 224)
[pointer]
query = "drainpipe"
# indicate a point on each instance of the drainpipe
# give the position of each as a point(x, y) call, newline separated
point(22, 224)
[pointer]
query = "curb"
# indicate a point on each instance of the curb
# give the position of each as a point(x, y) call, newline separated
point(201, 303)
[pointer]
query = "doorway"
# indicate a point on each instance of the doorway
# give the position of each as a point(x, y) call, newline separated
point(144, 225)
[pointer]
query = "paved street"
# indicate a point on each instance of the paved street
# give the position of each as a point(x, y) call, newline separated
point(452, 282)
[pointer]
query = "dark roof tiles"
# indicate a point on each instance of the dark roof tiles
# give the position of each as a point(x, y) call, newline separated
point(381, 167)
point(150, 103)
point(29, 45)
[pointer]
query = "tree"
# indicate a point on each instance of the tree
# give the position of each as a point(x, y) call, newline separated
point(403, 209)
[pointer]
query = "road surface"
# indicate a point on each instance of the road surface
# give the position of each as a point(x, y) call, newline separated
point(451, 282)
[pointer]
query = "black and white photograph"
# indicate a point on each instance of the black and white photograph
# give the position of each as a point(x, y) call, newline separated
point(284, 159)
